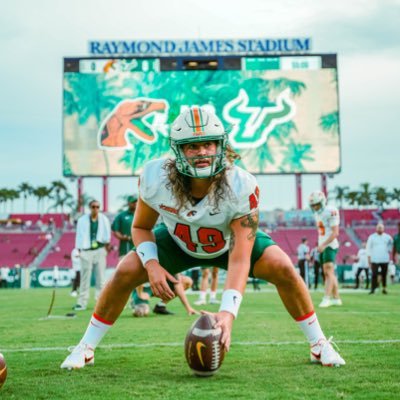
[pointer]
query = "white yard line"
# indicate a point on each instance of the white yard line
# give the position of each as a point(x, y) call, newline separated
point(180, 344)
point(341, 312)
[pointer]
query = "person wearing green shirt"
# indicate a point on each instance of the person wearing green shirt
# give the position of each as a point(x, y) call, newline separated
point(121, 227)
point(396, 247)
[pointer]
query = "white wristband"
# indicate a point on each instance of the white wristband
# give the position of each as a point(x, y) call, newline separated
point(147, 251)
point(230, 301)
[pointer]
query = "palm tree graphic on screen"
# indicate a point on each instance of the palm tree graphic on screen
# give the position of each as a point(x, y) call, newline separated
point(143, 118)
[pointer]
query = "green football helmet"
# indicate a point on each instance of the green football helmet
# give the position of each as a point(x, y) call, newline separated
point(198, 124)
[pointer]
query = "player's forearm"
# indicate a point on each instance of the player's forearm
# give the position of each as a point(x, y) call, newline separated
point(238, 272)
point(140, 235)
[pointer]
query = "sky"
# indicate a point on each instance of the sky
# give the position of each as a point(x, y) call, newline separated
point(35, 36)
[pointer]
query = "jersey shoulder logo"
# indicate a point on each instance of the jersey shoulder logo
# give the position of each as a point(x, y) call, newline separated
point(168, 209)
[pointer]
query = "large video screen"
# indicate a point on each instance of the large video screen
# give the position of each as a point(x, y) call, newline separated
point(282, 112)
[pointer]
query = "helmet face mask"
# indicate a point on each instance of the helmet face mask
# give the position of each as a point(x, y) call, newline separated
point(198, 125)
point(317, 198)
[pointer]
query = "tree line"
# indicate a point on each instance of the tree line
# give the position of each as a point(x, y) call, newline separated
point(365, 196)
point(57, 192)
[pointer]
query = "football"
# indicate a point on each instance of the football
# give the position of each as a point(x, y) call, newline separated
point(141, 310)
point(203, 350)
point(3, 370)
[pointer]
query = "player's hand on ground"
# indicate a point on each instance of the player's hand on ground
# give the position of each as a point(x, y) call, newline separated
point(223, 320)
point(158, 277)
point(192, 311)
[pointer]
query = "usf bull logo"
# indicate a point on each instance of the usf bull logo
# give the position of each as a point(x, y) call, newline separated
point(144, 118)
point(252, 125)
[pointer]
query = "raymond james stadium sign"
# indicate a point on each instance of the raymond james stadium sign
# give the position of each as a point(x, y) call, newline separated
point(199, 47)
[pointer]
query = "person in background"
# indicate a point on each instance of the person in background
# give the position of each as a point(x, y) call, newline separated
point(93, 236)
point(195, 273)
point(362, 265)
point(121, 227)
point(314, 259)
point(4, 272)
point(303, 256)
point(141, 298)
point(76, 270)
point(327, 220)
point(396, 247)
point(379, 248)
point(392, 272)
point(205, 273)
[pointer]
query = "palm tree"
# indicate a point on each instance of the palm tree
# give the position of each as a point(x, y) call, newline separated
point(41, 193)
point(62, 201)
point(395, 195)
point(3, 198)
point(13, 195)
point(26, 190)
point(381, 197)
point(365, 195)
point(58, 188)
point(83, 201)
point(340, 194)
point(352, 197)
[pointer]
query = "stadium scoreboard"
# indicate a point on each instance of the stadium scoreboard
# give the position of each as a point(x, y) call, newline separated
point(282, 111)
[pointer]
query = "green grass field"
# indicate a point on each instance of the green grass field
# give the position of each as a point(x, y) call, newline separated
point(144, 358)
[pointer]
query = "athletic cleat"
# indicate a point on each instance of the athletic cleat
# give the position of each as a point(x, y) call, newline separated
point(214, 301)
point(200, 302)
point(336, 302)
point(80, 356)
point(74, 293)
point(325, 303)
point(78, 307)
point(158, 309)
point(324, 353)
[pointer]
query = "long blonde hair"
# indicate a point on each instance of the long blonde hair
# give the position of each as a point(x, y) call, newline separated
point(181, 187)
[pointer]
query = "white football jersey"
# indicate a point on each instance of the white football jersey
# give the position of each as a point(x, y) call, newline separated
point(200, 230)
point(325, 220)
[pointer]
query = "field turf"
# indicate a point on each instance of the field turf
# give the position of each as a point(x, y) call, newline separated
point(144, 359)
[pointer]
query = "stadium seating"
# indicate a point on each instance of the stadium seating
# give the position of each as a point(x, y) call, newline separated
point(364, 232)
point(20, 248)
point(45, 218)
point(371, 216)
point(289, 239)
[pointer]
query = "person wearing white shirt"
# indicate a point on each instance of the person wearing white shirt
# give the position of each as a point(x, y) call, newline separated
point(362, 266)
point(93, 236)
point(379, 247)
point(303, 256)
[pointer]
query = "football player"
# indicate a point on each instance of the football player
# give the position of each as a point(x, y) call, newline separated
point(327, 220)
point(210, 210)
